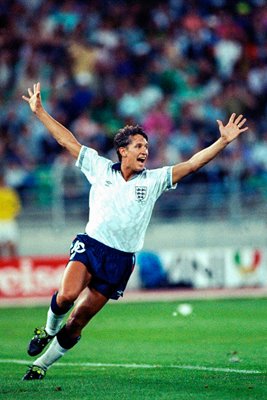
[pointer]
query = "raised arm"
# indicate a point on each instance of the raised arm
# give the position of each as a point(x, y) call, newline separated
point(229, 132)
point(62, 135)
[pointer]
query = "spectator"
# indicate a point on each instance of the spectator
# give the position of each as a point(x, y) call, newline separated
point(10, 207)
point(119, 60)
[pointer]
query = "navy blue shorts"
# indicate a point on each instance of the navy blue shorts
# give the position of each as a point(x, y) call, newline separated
point(110, 268)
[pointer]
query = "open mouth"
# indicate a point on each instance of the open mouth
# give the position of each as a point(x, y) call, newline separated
point(141, 159)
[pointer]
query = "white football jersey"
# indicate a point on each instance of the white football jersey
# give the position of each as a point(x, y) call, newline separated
point(120, 210)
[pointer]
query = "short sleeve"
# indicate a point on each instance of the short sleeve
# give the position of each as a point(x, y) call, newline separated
point(90, 163)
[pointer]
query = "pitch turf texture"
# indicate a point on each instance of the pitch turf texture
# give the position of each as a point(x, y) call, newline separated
point(145, 351)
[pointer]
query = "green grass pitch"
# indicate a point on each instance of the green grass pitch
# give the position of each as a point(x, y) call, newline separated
point(146, 351)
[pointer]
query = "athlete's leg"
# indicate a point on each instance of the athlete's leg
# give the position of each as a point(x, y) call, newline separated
point(75, 278)
point(89, 304)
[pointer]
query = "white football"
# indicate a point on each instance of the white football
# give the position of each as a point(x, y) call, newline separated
point(185, 309)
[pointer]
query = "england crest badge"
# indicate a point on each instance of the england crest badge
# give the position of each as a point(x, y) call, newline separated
point(140, 193)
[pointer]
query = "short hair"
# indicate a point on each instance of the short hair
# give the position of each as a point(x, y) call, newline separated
point(123, 137)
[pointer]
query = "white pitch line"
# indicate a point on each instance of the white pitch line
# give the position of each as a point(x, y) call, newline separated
point(142, 366)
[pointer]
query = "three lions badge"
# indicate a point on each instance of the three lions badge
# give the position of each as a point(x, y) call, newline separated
point(140, 193)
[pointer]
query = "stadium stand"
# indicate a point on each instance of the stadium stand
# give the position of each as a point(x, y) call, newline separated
point(172, 66)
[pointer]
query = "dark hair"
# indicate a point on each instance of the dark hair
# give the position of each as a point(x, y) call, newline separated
point(123, 137)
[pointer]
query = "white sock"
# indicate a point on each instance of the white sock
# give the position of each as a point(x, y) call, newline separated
point(53, 322)
point(52, 354)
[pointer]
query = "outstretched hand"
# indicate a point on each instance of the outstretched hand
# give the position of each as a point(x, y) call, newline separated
point(233, 128)
point(34, 98)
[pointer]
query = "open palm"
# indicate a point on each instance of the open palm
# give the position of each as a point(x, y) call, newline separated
point(34, 98)
point(233, 128)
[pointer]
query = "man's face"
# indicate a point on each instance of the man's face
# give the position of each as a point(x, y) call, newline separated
point(134, 156)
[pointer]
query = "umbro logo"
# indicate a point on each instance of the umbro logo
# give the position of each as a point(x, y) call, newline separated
point(108, 183)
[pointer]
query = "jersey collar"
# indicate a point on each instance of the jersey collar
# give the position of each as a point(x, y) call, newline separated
point(117, 167)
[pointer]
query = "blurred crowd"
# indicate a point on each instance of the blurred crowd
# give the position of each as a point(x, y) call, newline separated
point(172, 66)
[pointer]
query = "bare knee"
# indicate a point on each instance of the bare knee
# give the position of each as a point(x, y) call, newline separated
point(88, 305)
point(66, 298)
point(77, 321)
